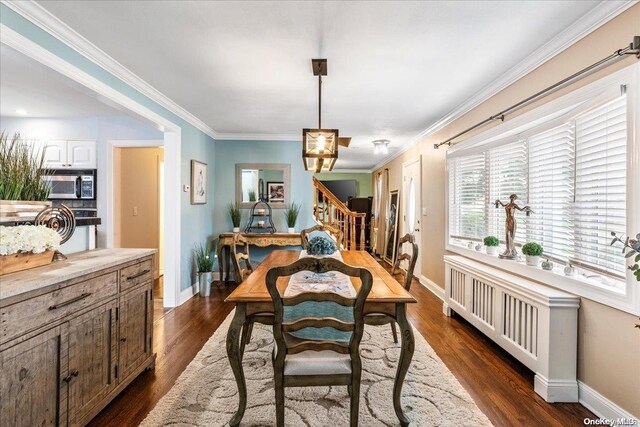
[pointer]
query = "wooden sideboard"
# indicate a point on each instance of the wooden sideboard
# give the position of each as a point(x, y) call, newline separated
point(74, 334)
point(257, 239)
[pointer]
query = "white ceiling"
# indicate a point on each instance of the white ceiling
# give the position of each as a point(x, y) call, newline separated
point(28, 85)
point(395, 68)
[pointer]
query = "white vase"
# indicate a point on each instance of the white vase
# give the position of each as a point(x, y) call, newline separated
point(533, 260)
point(236, 229)
point(291, 230)
point(492, 250)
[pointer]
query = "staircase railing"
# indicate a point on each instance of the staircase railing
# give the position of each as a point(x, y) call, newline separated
point(328, 209)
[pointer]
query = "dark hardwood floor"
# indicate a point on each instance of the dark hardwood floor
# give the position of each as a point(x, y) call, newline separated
point(500, 385)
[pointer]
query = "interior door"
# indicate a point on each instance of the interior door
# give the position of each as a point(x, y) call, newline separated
point(412, 190)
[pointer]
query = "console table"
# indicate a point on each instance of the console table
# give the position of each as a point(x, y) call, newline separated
point(262, 240)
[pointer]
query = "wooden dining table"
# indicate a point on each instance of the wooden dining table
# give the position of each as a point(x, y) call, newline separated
point(252, 300)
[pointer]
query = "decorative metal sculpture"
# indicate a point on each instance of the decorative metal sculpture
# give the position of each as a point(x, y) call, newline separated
point(62, 220)
point(510, 225)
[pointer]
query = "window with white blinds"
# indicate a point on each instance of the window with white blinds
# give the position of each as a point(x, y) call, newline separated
point(600, 193)
point(467, 211)
point(507, 166)
point(551, 186)
point(572, 175)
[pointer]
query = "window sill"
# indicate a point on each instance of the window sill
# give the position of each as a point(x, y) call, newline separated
point(623, 297)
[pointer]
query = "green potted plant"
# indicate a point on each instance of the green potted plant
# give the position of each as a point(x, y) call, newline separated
point(236, 215)
point(532, 251)
point(204, 265)
point(491, 244)
point(631, 247)
point(252, 196)
point(23, 191)
point(291, 213)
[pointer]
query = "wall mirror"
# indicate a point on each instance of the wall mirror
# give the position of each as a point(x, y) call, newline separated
point(269, 182)
point(391, 241)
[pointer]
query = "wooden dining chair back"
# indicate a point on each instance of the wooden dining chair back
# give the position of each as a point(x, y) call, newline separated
point(404, 256)
point(303, 362)
point(375, 319)
point(335, 232)
point(240, 257)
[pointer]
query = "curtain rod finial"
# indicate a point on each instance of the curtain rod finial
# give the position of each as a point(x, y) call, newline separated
point(436, 146)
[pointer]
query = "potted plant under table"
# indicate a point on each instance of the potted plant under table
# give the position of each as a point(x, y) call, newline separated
point(204, 265)
point(532, 251)
point(491, 244)
point(291, 213)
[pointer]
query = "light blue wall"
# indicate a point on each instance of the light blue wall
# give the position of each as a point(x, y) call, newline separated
point(196, 224)
point(228, 153)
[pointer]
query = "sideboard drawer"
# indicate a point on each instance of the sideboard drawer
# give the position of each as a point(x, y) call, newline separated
point(135, 274)
point(26, 316)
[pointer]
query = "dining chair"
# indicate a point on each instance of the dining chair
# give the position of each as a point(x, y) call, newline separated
point(333, 231)
point(243, 268)
point(374, 319)
point(241, 257)
point(305, 362)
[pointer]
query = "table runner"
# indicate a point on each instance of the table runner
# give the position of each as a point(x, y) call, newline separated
point(306, 281)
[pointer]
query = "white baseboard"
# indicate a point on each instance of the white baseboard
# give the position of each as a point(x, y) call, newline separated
point(600, 405)
point(431, 285)
point(556, 390)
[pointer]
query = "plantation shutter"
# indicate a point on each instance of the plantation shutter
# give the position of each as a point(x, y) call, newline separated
point(600, 181)
point(551, 176)
point(467, 196)
point(507, 175)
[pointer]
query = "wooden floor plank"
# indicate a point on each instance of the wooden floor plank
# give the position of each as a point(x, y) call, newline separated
point(500, 385)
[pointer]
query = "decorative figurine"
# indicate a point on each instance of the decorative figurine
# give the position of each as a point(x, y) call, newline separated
point(547, 265)
point(478, 247)
point(470, 245)
point(570, 270)
point(510, 225)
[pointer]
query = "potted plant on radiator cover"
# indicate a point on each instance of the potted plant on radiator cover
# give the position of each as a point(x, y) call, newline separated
point(533, 251)
point(491, 243)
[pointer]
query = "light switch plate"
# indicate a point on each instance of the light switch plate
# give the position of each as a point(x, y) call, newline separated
point(186, 188)
point(424, 211)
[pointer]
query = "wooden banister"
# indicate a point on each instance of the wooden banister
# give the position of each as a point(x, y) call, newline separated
point(334, 212)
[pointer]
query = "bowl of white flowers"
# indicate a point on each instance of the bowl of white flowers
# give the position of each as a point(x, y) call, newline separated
point(26, 246)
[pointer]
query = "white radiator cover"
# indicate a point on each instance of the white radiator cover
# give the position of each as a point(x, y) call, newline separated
point(537, 324)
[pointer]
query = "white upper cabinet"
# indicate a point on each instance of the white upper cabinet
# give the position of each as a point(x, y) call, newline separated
point(70, 154)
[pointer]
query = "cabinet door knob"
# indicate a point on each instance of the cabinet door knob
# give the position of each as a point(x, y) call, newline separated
point(123, 339)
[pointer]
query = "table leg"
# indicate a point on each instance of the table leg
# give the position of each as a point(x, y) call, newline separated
point(406, 354)
point(235, 360)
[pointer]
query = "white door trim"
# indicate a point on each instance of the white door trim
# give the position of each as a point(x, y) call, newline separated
point(403, 195)
point(172, 144)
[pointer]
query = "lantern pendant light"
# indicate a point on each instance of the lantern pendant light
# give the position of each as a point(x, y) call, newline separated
point(319, 146)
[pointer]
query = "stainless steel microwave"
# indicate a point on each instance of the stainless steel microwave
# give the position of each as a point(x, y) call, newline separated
point(78, 185)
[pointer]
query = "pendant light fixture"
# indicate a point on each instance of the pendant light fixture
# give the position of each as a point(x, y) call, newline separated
point(319, 146)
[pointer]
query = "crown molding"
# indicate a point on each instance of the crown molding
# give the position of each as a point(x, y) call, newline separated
point(350, 171)
point(58, 29)
point(258, 137)
point(589, 22)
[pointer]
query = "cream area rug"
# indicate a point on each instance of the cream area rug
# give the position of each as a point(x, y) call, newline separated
point(206, 392)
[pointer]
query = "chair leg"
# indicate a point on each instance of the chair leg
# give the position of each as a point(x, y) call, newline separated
point(394, 332)
point(279, 388)
point(355, 402)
